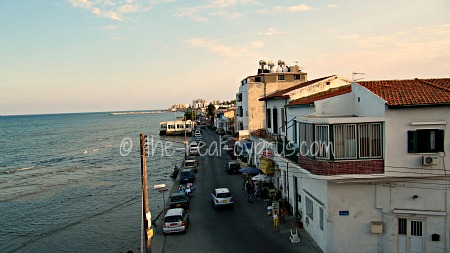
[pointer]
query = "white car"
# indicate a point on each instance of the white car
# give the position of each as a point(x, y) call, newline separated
point(176, 220)
point(221, 197)
point(194, 148)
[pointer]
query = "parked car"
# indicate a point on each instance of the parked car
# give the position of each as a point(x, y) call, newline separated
point(232, 167)
point(175, 220)
point(221, 197)
point(179, 200)
point(190, 164)
point(194, 158)
point(187, 176)
point(194, 148)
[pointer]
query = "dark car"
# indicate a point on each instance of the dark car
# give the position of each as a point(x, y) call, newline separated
point(232, 168)
point(187, 176)
point(179, 200)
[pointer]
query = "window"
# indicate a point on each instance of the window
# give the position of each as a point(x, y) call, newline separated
point(275, 121)
point(401, 226)
point(280, 77)
point(306, 139)
point(294, 131)
point(258, 79)
point(322, 146)
point(269, 123)
point(309, 208)
point(370, 140)
point(321, 218)
point(425, 141)
point(296, 77)
point(345, 141)
point(283, 126)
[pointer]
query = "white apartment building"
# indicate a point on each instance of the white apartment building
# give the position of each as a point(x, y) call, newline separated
point(381, 181)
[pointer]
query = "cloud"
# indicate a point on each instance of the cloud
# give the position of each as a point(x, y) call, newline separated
point(218, 8)
point(213, 46)
point(285, 9)
point(113, 9)
point(270, 32)
point(332, 6)
point(406, 54)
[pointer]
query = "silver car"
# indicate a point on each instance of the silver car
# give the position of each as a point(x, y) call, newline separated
point(176, 220)
point(221, 197)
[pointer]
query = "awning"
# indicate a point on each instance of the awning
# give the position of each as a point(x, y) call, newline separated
point(267, 166)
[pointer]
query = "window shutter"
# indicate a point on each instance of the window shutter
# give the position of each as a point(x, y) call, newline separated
point(412, 141)
point(440, 140)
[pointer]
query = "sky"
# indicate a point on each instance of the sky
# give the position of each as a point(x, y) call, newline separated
point(116, 55)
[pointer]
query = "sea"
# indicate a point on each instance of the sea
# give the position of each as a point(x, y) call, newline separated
point(72, 182)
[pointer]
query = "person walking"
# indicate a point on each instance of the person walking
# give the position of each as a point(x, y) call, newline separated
point(249, 193)
point(276, 221)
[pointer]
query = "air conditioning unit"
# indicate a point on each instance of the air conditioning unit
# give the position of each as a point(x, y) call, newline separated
point(429, 160)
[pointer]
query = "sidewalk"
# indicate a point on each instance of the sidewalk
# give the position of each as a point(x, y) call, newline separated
point(306, 244)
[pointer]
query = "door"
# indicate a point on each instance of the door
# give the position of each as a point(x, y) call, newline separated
point(410, 236)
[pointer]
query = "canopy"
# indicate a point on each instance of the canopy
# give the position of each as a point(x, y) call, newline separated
point(262, 178)
point(250, 170)
point(267, 166)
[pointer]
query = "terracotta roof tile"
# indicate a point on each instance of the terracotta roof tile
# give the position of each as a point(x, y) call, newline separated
point(281, 93)
point(411, 92)
point(321, 95)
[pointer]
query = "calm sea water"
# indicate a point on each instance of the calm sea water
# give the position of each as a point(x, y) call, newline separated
point(65, 187)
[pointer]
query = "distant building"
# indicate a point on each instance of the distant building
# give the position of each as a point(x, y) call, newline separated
point(250, 112)
point(199, 103)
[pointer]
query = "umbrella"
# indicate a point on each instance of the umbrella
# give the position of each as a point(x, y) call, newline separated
point(262, 178)
point(250, 170)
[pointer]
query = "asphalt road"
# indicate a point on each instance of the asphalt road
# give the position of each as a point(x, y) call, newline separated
point(246, 228)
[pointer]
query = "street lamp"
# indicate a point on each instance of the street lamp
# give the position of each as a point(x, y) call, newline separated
point(162, 188)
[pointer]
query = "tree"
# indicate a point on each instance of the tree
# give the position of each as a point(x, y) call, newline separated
point(190, 115)
point(211, 110)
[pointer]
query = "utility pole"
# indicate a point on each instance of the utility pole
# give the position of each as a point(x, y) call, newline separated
point(185, 140)
point(147, 217)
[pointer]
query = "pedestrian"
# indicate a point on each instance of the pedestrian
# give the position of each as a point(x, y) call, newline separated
point(249, 193)
point(276, 221)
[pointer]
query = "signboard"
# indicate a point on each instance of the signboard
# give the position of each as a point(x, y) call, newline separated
point(344, 213)
point(267, 153)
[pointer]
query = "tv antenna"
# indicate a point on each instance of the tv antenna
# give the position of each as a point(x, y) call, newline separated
point(354, 74)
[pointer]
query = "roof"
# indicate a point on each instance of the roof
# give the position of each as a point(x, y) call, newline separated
point(282, 93)
point(321, 95)
point(222, 190)
point(174, 211)
point(413, 92)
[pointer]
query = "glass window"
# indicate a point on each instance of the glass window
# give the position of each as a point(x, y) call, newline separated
point(322, 145)
point(370, 140)
point(321, 218)
point(345, 141)
point(426, 141)
point(309, 208)
point(280, 77)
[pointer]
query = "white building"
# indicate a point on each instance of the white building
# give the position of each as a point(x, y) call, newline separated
point(250, 112)
point(372, 174)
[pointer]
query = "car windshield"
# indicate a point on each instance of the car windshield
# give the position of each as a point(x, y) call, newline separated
point(224, 195)
point(175, 218)
point(185, 174)
point(189, 164)
point(233, 165)
point(178, 198)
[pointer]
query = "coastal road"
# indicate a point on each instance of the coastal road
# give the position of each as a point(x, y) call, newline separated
point(246, 228)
